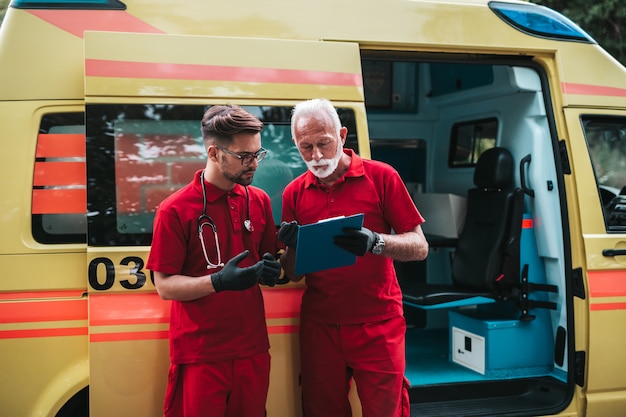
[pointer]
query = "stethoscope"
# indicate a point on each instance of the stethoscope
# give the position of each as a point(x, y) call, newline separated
point(204, 219)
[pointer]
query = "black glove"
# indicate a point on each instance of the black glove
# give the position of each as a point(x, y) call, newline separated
point(271, 270)
point(356, 241)
point(231, 277)
point(288, 233)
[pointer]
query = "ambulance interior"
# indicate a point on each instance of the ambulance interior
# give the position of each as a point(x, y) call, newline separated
point(432, 120)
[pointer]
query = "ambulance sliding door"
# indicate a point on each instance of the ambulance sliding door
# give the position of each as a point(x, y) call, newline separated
point(598, 154)
point(145, 95)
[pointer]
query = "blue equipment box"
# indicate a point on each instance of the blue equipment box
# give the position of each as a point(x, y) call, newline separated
point(499, 347)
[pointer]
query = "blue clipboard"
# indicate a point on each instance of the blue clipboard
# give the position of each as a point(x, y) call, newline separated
point(317, 252)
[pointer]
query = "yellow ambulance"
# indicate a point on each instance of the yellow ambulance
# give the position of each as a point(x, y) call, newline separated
point(100, 102)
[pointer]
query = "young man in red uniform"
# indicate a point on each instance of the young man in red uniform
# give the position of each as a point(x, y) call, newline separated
point(213, 243)
point(352, 322)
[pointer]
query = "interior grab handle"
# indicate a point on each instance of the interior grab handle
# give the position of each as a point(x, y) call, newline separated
point(613, 252)
point(522, 175)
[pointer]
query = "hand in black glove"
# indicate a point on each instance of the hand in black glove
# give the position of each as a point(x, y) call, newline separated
point(356, 241)
point(288, 233)
point(271, 270)
point(231, 277)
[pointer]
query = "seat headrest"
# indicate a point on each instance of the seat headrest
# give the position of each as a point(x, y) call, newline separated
point(494, 169)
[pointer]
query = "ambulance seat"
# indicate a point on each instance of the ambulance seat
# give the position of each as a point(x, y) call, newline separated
point(486, 262)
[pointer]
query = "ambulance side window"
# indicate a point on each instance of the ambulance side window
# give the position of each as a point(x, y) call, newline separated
point(59, 199)
point(470, 139)
point(606, 139)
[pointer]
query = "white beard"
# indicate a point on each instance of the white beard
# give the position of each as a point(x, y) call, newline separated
point(324, 168)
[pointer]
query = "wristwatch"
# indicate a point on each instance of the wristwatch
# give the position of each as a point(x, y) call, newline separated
point(379, 245)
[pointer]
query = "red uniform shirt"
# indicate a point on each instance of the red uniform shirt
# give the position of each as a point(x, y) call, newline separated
point(369, 290)
point(229, 324)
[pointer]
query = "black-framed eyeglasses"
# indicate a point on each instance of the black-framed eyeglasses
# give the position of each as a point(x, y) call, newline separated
point(246, 158)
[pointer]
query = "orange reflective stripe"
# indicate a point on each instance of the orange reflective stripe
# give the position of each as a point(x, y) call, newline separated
point(127, 308)
point(30, 333)
point(77, 22)
point(608, 306)
point(60, 173)
point(282, 329)
point(607, 283)
point(527, 223)
point(43, 311)
point(282, 302)
point(107, 309)
point(30, 295)
point(123, 336)
point(59, 201)
point(593, 90)
point(60, 145)
point(127, 69)
point(164, 334)
point(112, 309)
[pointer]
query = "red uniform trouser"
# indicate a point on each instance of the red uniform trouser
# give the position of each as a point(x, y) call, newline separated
point(232, 388)
point(371, 353)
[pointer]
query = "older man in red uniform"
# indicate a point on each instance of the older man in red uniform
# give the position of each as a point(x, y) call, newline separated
point(213, 243)
point(352, 322)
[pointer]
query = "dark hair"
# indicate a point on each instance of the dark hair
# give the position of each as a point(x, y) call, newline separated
point(221, 123)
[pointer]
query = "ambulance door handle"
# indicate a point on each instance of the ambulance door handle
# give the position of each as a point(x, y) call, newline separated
point(613, 252)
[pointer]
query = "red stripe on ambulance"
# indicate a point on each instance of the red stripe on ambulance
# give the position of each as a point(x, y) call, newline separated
point(608, 306)
point(607, 283)
point(148, 308)
point(126, 336)
point(43, 311)
point(592, 90)
point(126, 69)
point(42, 295)
point(127, 309)
point(77, 22)
point(34, 333)
point(39, 311)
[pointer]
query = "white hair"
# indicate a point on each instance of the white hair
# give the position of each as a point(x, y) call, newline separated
point(313, 108)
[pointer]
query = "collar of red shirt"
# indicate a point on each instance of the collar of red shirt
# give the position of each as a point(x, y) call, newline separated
point(213, 192)
point(354, 170)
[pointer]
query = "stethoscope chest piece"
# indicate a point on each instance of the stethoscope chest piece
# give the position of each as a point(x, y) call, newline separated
point(248, 224)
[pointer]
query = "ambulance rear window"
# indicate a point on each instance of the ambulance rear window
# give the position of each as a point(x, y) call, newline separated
point(138, 154)
point(69, 4)
point(59, 196)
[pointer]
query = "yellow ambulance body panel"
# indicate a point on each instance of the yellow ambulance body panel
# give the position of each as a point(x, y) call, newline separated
point(100, 103)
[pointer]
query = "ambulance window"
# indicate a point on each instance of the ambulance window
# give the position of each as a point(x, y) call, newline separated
point(383, 84)
point(606, 139)
point(447, 79)
point(59, 198)
point(469, 140)
point(139, 154)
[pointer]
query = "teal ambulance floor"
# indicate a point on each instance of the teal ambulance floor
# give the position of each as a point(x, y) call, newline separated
point(428, 363)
